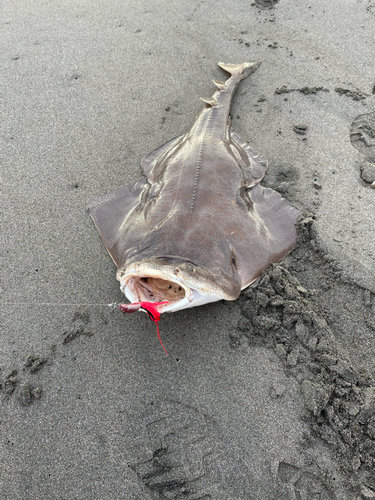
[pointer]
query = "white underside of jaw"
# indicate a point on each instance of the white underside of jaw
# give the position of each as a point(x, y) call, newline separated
point(198, 299)
point(193, 297)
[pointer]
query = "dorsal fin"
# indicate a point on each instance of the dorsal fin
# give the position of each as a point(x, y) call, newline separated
point(211, 101)
point(219, 85)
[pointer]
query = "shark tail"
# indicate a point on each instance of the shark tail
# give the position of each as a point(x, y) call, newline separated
point(242, 70)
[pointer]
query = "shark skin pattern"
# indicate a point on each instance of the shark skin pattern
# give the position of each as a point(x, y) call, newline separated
point(198, 227)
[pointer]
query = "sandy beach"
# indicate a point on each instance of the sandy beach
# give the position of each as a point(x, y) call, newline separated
point(269, 397)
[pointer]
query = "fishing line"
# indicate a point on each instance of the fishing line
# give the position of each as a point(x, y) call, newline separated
point(21, 303)
point(148, 307)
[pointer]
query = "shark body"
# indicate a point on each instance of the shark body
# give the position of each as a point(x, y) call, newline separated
point(198, 227)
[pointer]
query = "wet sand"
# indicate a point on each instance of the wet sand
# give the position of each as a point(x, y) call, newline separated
point(268, 397)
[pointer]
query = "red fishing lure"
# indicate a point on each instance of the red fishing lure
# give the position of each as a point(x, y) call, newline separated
point(151, 310)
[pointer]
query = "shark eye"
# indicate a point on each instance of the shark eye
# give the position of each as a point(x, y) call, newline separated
point(233, 261)
point(190, 268)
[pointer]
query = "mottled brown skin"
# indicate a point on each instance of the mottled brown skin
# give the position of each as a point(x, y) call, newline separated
point(201, 204)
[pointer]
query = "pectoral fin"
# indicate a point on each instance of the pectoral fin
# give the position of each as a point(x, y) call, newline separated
point(110, 210)
point(264, 234)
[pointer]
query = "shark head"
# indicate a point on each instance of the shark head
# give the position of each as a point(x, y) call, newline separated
point(179, 282)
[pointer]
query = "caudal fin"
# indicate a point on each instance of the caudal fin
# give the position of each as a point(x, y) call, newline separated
point(243, 70)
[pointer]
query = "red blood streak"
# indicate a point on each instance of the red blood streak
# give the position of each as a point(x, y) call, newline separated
point(152, 311)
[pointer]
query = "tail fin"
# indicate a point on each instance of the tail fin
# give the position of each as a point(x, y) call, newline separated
point(243, 70)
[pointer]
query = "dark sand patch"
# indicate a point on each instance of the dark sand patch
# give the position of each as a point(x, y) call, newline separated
point(283, 312)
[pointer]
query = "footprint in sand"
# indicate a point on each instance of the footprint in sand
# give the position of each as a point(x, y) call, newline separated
point(362, 136)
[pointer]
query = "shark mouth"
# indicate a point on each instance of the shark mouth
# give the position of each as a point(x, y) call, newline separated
point(152, 285)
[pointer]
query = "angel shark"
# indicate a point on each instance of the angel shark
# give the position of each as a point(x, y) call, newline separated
point(198, 227)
